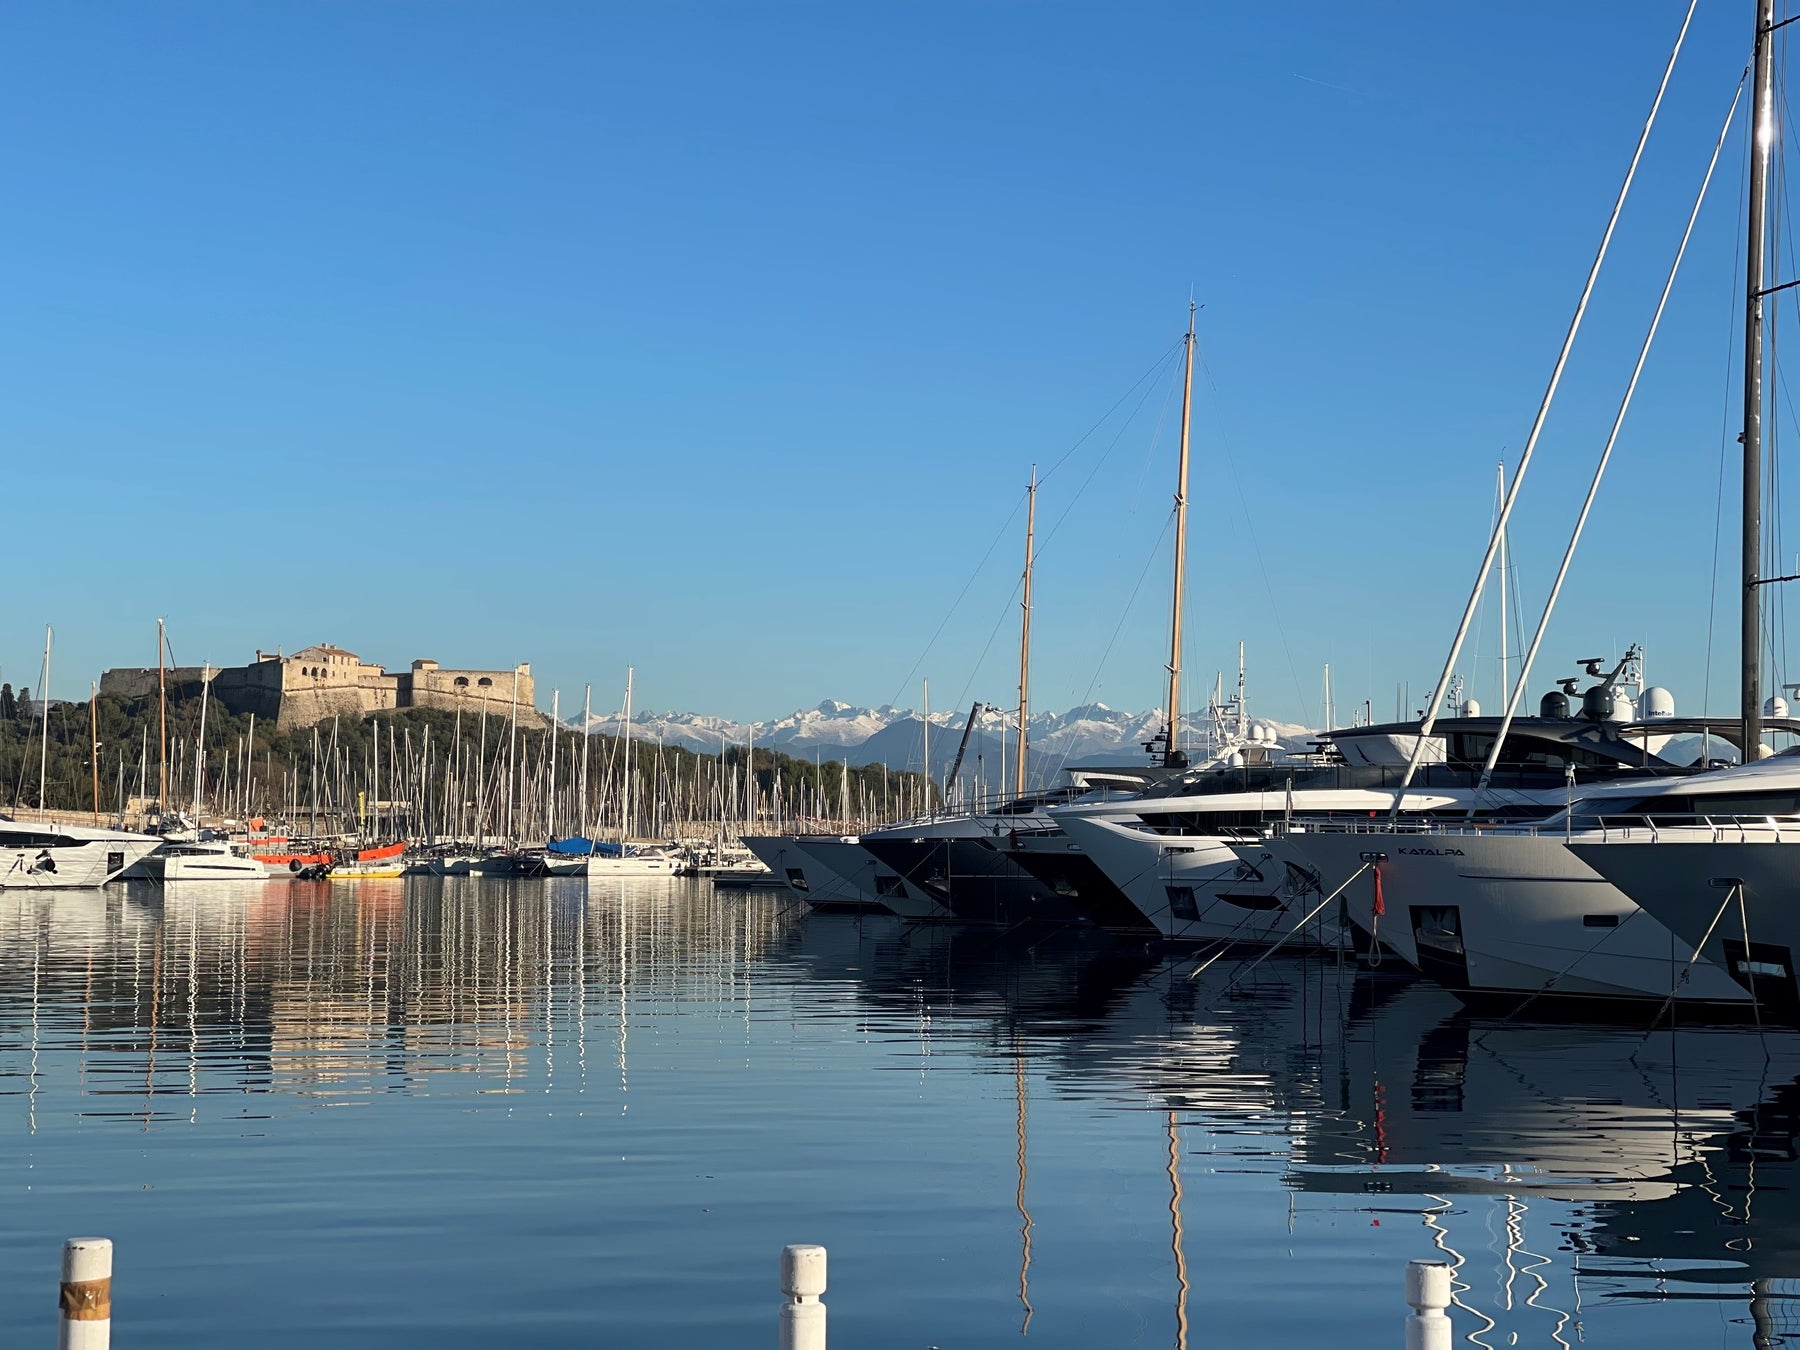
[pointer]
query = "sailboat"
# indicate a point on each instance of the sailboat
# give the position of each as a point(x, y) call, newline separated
point(621, 859)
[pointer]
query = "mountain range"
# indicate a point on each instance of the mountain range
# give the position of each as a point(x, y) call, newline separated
point(895, 736)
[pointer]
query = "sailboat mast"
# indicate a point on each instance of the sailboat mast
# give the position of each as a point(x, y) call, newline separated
point(1499, 499)
point(162, 723)
point(200, 744)
point(1025, 629)
point(587, 736)
point(94, 744)
point(1762, 134)
point(625, 805)
point(44, 740)
point(925, 730)
point(550, 801)
point(1179, 599)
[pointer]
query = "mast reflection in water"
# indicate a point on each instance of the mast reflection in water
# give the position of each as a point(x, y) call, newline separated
point(464, 1111)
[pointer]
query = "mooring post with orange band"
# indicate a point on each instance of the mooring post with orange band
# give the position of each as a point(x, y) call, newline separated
point(84, 1321)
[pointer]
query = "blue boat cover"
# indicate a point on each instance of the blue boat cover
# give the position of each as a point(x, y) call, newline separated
point(581, 848)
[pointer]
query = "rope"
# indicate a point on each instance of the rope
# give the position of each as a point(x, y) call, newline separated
point(1285, 936)
point(1543, 412)
point(1706, 937)
point(1612, 439)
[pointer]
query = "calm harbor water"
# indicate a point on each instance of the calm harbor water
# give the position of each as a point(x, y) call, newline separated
point(458, 1112)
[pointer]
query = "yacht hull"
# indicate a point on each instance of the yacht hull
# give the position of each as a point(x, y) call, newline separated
point(71, 866)
point(1505, 918)
point(1742, 899)
point(971, 880)
point(1193, 890)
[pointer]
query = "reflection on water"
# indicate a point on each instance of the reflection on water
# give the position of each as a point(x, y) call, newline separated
point(468, 1110)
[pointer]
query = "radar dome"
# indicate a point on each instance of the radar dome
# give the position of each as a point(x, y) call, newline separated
point(1554, 704)
point(1471, 708)
point(1776, 707)
point(1657, 704)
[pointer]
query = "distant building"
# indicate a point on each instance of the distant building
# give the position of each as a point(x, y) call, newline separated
point(317, 683)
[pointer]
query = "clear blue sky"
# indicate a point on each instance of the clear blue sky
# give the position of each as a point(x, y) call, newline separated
point(719, 338)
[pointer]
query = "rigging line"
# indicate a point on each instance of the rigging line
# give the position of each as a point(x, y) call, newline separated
point(993, 544)
point(1543, 412)
point(1124, 613)
point(1612, 439)
point(1006, 611)
point(1155, 439)
point(1148, 373)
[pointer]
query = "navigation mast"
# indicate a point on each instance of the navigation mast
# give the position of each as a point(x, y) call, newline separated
point(1172, 755)
point(1762, 134)
point(1025, 631)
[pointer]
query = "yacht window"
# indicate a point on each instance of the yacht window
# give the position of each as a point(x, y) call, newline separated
point(1599, 920)
point(1181, 902)
point(797, 879)
point(889, 885)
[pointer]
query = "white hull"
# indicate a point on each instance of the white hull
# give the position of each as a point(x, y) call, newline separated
point(653, 865)
point(830, 870)
point(1694, 886)
point(1192, 888)
point(68, 866)
point(1506, 913)
point(206, 867)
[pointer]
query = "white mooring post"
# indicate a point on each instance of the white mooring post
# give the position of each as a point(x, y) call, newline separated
point(802, 1281)
point(1428, 1293)
point(85, 1319)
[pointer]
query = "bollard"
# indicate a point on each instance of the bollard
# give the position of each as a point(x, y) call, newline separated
point(1428, 1293)
point(85, 1320)
point(803, 1280)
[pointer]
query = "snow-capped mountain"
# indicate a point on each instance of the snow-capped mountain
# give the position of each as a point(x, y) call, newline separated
point(894, 736)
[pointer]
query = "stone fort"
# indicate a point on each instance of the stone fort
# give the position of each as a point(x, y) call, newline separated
point(317, 683)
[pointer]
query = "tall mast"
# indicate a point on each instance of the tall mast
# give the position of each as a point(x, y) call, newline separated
point(200, 744)
point(550, 802)
point(44, 740)
point(94, 744)
point(1025, 629)
point(625, 806)
point(1762, 134)
point(1500, 498)
point(1172, 730)
point(162, 723)
point(512, 756)
point(925, 729)
point(587, 736)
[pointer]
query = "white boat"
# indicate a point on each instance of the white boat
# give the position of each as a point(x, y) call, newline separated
point(208, 860)
point(1500, 912)
point(57, 857)
point(831, 872)
point(1182, 857)
point(631, 861)
point(1730, 895)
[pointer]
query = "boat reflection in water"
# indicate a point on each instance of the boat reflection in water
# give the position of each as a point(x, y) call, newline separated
point(673, 1080)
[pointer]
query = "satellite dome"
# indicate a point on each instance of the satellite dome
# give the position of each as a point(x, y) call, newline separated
point(1657, 703)
point(1776, 707)
point(1471, 708)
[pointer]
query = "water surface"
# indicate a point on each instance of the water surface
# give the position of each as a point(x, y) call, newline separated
point(459, 1112)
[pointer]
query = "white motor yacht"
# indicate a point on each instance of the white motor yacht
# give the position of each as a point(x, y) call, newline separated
point(203, 860)
point(55, 857)
point(831, 871)
point(1506, 912)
